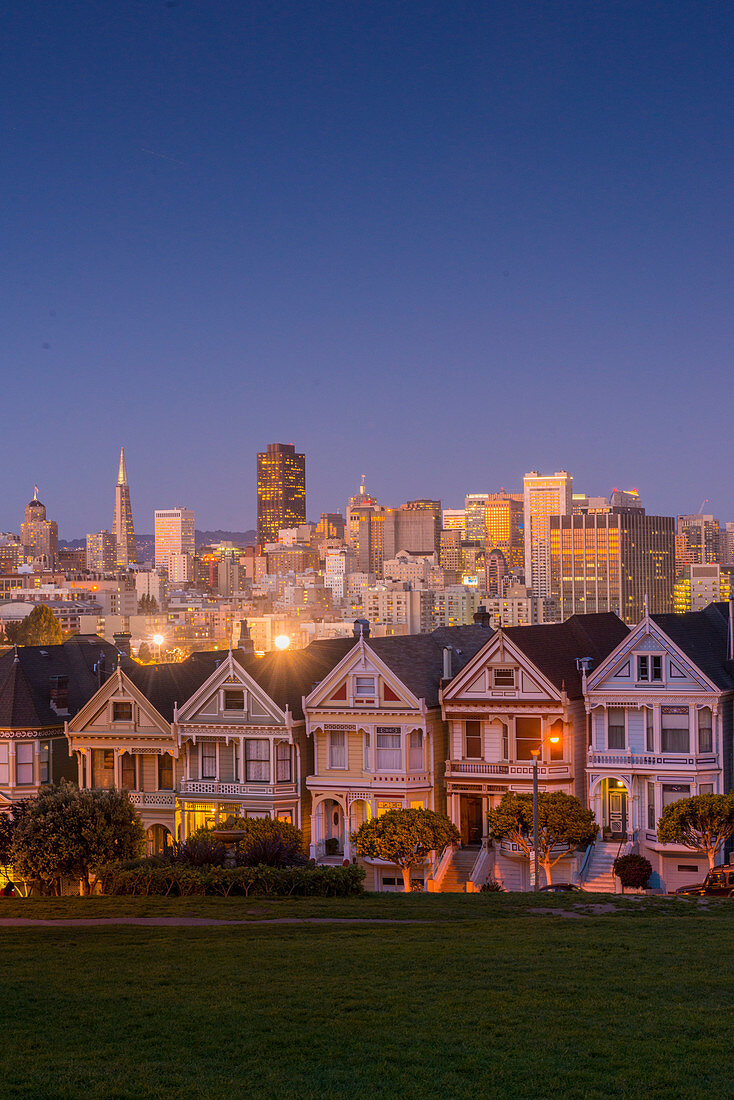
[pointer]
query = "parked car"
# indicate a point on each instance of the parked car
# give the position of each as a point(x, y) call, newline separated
point(559, 887)
point(718, 883)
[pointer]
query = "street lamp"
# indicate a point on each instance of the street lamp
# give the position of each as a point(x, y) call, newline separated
point(158, 640)
point(553, 740)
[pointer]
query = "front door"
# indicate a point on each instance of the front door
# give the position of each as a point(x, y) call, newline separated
point(618, 813)
point(471, 820)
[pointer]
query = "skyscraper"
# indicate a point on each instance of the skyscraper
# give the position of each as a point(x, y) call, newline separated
point(503, 520)
point(612, 561)
point(174, 534)
point(39, 537)
point(543, 497)
point(281, 490)
point(123, 531)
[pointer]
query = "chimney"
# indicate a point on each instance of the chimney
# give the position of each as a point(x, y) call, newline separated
point(447, 674)
point(482, 617)
point(122, 641)
point(59, 694)
point(361, 628)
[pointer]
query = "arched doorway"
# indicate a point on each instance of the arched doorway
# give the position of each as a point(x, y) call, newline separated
point(328, 832)
point(615, 806)
point(158, 838)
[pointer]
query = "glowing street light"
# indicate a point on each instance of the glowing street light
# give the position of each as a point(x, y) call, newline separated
point(158, 640)
point(282, 641)
point(553, 739)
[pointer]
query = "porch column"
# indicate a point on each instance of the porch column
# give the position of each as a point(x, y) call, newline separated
point(272, 759)
point(80, 768)
point(347, 842)
point(485, 823)
point(11, 765)
point(36, 763)
point(117, 777)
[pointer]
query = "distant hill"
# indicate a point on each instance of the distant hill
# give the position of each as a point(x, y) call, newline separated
point(203, 538)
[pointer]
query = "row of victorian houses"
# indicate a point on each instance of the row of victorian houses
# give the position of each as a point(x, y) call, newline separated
point(332, 735)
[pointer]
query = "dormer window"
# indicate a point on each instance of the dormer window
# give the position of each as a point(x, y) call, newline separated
point(122, 712)
point(364, 687)
point(234, 700)
point(504, 677)
point(650, 668)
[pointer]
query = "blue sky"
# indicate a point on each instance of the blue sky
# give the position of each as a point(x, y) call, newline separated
point(436, 243)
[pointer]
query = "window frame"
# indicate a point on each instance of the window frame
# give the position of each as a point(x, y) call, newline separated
point(497, 673)
point(118, 704)
point(616, 726)
point(475, 737)
point(283, 759)
point(228, 692)
point(703, 729)
point(250, 743)
point(21, 746)
point(206, 745)
point(357, 693)
point(338, 751)
point(396, 733)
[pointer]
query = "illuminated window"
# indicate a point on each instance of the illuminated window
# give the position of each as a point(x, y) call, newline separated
point(285, 815)
point(122, 712)
point(385, 807)
point(103, 768)
point(418, 805)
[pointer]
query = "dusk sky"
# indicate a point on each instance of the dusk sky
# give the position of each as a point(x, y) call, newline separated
point(440, 244)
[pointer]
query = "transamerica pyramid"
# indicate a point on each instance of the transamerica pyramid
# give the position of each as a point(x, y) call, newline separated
point(122, 525)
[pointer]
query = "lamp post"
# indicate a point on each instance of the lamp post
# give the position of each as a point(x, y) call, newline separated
point(553, 740)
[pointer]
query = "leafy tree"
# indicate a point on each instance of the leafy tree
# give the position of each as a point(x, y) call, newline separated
point(563, 825)
point(41, 627)
point(66, 831)
point(147, 605)
point(701, 823)
point(405, 837)
point(144, 653)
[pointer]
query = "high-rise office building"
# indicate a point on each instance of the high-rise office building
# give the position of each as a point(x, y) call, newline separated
point(454, 519)
point(101, 555)
point(612, 561)
point(415, 526)
point(700, 540)
point(39, 537)
point(360, 500)
point(543, 497)
point(503, 528)
point(474, 506)
point(174, 534)
point(123, 531)
point(281, 491)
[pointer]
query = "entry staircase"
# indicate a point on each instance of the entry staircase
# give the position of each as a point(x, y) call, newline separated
point(599, 877)
point(457, 871)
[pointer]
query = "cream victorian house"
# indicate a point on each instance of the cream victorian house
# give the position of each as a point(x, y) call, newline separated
point(660, 709)
point(379, 739)
point(521, 690)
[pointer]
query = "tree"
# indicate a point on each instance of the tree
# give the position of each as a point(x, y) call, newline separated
point(41, 627)
point(701, 823)
point(66, 831)
point(147, 605)
point(563, 825)
point(405, 837)
point(144, 653)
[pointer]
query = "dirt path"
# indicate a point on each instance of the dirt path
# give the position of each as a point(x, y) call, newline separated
point(191, 922)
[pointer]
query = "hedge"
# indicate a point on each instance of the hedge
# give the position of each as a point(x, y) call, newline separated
point(175, 880)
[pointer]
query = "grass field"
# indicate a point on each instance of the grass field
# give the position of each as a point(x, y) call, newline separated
point(483, 997)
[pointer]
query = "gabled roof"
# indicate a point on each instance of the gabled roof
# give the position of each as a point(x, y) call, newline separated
point(703, 636)
point(555, 647)
point(164, 685)
point(25, 683)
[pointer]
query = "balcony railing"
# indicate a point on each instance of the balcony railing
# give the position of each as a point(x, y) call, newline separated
point(222, 789)
point(478, 767)
point(158, 799)
point(621, 758)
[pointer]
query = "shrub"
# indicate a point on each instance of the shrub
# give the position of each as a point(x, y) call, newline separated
point(491, 886)
point(176, 879)
point(632, 870)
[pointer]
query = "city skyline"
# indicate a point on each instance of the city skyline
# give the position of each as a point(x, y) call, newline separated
point(440, 245)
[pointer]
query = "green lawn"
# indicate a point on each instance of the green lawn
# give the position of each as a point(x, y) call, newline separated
point(486, 998)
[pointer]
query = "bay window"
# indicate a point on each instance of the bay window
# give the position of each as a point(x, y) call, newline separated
point(527, 737)
point(705, 730)
point(649, 730)
point(129, 781)
point(473, 737)
point(165, 772)
point(674, 733)
point(208, 760)
point(389, 752)
point(415, 751)
point(44, 762)
point(257, 760)
point(282, 762)
point(338, 749)
point(615, 728)
point(4, 764)
point(103, 768)
point(24, 764)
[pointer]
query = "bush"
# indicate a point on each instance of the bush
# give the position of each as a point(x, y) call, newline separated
point(177, 880)
point(633, 871)
point(491, 886)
